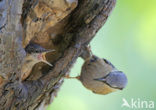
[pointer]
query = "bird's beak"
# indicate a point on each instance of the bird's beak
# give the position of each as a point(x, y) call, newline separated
point(45, 61)
point(44, 57)
point(49, 51)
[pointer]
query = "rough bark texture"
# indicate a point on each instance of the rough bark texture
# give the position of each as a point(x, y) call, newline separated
point(68, 35)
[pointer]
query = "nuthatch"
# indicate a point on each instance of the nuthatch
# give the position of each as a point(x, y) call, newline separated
point(35, 54)
point(101, 77)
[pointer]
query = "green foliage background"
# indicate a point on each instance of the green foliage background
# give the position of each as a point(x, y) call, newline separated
point(128, 40)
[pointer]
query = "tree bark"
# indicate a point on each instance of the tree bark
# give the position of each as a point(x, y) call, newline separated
point(68, 33)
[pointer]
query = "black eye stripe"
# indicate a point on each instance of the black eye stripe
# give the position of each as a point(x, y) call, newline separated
point(108, 62)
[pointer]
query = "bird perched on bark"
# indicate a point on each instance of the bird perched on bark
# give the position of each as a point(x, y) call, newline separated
point(34, 54)
point(101, 77)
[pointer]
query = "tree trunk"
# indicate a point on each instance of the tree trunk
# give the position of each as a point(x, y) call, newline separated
point(54, 24)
